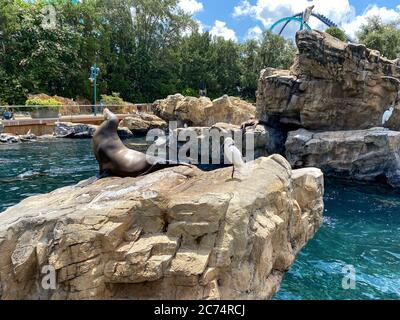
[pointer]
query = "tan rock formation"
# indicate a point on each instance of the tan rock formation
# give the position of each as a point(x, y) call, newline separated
point(331, 86)
point(202, 111)
point(141, 123)
point(179, 233)
point(367, 155)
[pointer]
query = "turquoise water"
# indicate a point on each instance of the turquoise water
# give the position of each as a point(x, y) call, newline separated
point(361, 229)
point(362, 223)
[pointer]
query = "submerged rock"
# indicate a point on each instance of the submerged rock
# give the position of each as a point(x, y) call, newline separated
point(28, 137)
point(179, 233)
point(83, 131)
point(366, 155)
point(9, 138)
point(331, 86)
point(141, 123)
point(15, 138)
point(202, 111)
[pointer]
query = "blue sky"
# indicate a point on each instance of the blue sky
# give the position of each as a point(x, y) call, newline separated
point(243, 19)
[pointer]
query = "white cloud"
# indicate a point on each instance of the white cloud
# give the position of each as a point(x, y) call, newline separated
point(254, 33)
point(243, 9)
point(191, 6)
point(202, 27)
point(339, 11)
point(221, 30)
point(387, 15)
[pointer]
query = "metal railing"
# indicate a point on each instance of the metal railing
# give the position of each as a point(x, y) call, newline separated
point(23, 111)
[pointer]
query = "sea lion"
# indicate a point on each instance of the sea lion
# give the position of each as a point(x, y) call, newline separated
point(115, 159)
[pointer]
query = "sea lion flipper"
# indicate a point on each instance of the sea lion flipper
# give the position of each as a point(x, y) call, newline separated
point(103, 174)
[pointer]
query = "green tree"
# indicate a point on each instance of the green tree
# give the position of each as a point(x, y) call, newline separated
point(384, 37)
point(250, 69)
point(275, 51)
point(195, 62)
point(337, 33)
point(146, 49)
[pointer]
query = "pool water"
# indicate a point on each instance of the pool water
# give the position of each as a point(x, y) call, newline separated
point(361, 233)
point(361, 228)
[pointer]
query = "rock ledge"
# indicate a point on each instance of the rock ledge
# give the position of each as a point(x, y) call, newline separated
point(179, 233)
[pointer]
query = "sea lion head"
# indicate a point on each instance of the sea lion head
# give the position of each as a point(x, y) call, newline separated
point(111, 119)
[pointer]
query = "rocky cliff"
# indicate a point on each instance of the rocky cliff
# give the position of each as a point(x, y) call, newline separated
point(331, 103)
point(366, 155)
point(179, 233)
point(332, 85)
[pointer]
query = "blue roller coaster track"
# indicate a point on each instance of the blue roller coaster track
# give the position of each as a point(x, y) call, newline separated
point(299, 18)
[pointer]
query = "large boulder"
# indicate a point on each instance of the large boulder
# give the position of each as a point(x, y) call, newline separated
point(73, 130)
point(141, 123)
point(83, 131)
point(179, 233)
point(10, 138)
point(365, 155)
point(230, 110)
point(331, 86)
point(202, 111)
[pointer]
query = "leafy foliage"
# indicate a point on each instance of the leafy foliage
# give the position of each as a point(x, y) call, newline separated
point(337, 33)
point(146, 49)
point(381, 36)
point(113, 100)
point(42, 102)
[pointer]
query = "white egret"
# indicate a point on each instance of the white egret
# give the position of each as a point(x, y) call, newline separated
point(233, 154)
point(387, 115)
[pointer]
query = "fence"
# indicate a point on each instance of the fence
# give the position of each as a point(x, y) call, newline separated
point(40, 120)
point(36, 112)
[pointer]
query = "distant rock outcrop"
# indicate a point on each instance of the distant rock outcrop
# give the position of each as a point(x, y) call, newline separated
point(179, 233)
point(14, 138)
point(141, 123)
point(83, 131)
point(367, 155)
point(202, 112)
point(331, 86)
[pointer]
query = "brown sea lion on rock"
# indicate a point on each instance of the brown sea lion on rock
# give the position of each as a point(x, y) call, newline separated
point(115, 159)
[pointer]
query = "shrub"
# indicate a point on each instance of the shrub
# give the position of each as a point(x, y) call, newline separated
point(337, 33)
point(49, 103)
point(113, 100)
point(190, 92)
